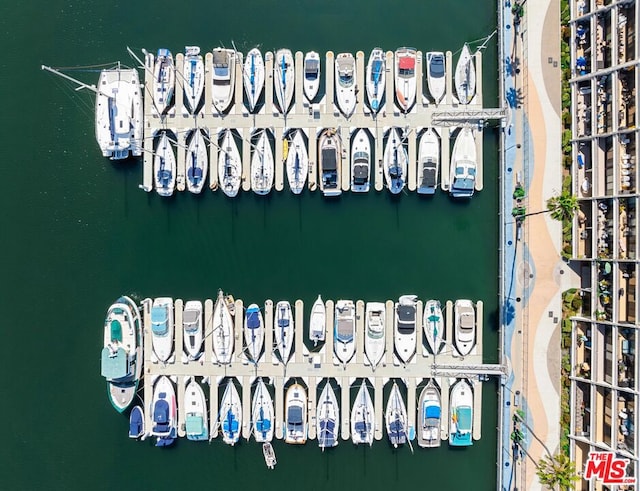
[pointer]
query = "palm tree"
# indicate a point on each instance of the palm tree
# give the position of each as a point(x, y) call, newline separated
point(563, 206)
point(557, 472)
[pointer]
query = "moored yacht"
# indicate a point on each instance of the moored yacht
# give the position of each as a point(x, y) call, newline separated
point(461, 414)
point(262, 165)
point(362, 417)
point(197, 162)
point(254, 332)
point(360, 161)
point(346, 83)
point(192, 329)
point(395, 162)
point(296, 415)
point(327, 417)
point(330, 162)
point(230, 416)
point(465, 76)
point(164, 411)
point(162, 328)
point(464, 163)
point(404, 327)
point(405, 78)
point(376, 79)
point(223, 78)
point(344, 343)
point(311, 75)
point(374, 339)
point(464, 329)
point(396, 417)
point(195, 407)
point(429, 415)
point(229, 165)
point(297, 162)
point(253, 76)
point(284, 330)
point(436, 74)
point(433, 325)
point(164, 80)
point(317, 321)
point(262, 416)
point(164, 166)
point(222, 334)
point(428, 162)
point(193, 78)
point(283, 79)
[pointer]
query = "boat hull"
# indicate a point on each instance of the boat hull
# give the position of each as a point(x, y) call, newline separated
point(330, 163)
point(464, 326)
point(405, 78)
point(297, 163)
point(429, 416)
point(283, 326)
point(164, 412)
point(463, 165)
point(192, 329)
point(428, 162)
point(164, 79)
point(376, 79)
point(461, 414)
point(262, 165)
point(404, 328)
point(162, 328)
point(362, 417)
point(395, 162)
point(318, 321)
point(345, 74)
point(197, 162)
point(230, 417)
point(262, 415)
point(283, 79)
point(344, 342)
point(222, 335)
point(465, 77)
point(375, 339)
point(223, 79)
point(296, 415)
point(436, 75)
point(433, 325)
point(164, 166)
point(396, 417)
point(360, 162)
point(197, 421)
point(328, 418)
point(311, 75)
point(253, 76)
point(254, 332)
point(193, 80)
point(229, 165)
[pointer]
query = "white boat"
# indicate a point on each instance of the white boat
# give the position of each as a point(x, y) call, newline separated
point(164, 80)
point(121, 358)
point(297, 163)
point(405, 78)
point(344, 342)
point(192, 329)
point(262, 165)
point(404, 327)
point(229, 165)
point(395, 162)
point(283, 326)
point(136, 423)
point(311, 75)
point(465, 76)
point(164, 166)
point(222, 334)
point(119, 113)
point(223, 78)
point(162, 328)
point(396, 417)
point(196, 415)
point(327, 418)
point(253, 76)
point(464, 329)
point(374, 339)
point(283, 79)
point(346, 83)
point(429, 415)
point(360, 161)
point(317, 321)
point(296, 415)
point(254, 332)
point(428, 162)
point(330, 163)
point(269, 455)
point(462, 180)
point(197, 162)
point(376, 79)
point(164, 412)
point(362, 417)
point(436, 74)
point(433, 325)
point(230, 416)
point(193, 78)
point(262, 415)
point(460, 414)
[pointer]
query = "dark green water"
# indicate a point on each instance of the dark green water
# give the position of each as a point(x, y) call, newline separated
point(76, 232)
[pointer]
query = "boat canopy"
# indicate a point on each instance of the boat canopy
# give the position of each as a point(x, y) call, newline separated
point(294, 417)
point(230, 424)
point(161, 410)
point(116, 331)
point(407, 63)
point(362, 427)
point(263, 425)
point(311, 69)
point(432, 412)
point(114, 365)
point(159, 319)
point(194, 425)
point(376, 70)
point(396, 431)
point(329, 159)
point(360, 173)
point(327, 436)
point(436, 66)
point(467, 321)
point(283, 321)
point(464, 418)
point(406, 314)
point(190, 320)
point(253, 319)
point(428, 174)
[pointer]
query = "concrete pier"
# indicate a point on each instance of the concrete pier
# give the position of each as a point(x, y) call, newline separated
point(246, 406)
point(345, 404)
point(378, 409)
point(312, 397)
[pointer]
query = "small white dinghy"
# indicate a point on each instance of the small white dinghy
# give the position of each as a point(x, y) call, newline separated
point(284, 330)
point(193, 78)
point(222, 334)
point(229, 165)
point(317, 321)
point(253, 76)
point(269, 455)
point(196, 162)
point(262, 165)
point(311, 75)
point(297, 163)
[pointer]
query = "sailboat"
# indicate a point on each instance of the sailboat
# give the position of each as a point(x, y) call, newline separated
point(195, 406)
point(330, 163)
point(284, 330)
point(193, 78)
point(222, 334)
point(396, 417)
point(223, 78)
point(428, 162)
point(461, 414)
point(344, 343)
point(317, 321)
point(429, 415)
point(254, 332)
point(405, 78)
point(465, 76)
point(345, 67)
point(262, 413)
point(297, 163)
point(362, 418)
point(327, 417)
point(164, 166)
point(253, 76)
point(311, 75)
point(262, 165)
point(296, 415)
point(197, 162)
point(229, 165)
point(433, 325)
point(192, 329)
point(230, 417)
point(436, 74)
point(376, 79)
point(164, 80)
point(395, 162)
point(360, 162)
point(374, 339)
point(284, 79)
point(463, 165)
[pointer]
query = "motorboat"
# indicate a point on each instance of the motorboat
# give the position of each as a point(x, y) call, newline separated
point(197, 162)
point(330, 163)
point(374, 339)
point(405, 78)
point(346, 83)
point(297, 163)
point(311, 75)
point(428, 162)
point(121, 358)
point(269, 455)
point(229, 165)
point(360, 161)
point(119, 113)
point(262, 165)
point(317, 321)
point(396, 417)
point(436, 74)
point(136, 422)
point(254, 332)
point(253, 75)
point(465, 76)
point(464, 326)
point(164, 411)
point(192, 326)
point(344, 342)
point(362, 417)
point(283, 79)
point(164, 80)
point(223, 78)
point(164, 166)
point(296, 415)
point(327, 418)
point(429, 415)
point(395, 162)
point(376, 79)
point(284, 330)
point(196, 414)
point(230, 417)
point(463, 165)
point(162, 328)
point(222, 333)
point(193, 78)
point(262, 415)
point(433, 325)
point(461, 414)
point(404, 327)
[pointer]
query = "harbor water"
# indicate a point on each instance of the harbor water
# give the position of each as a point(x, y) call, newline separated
point(77, 232)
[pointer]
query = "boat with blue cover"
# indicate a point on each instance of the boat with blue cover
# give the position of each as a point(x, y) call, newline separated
point(121, 357)
point(296, 415)
point(164, 166)
point(253, 75)
point(162, 328)
point(429, 416)
point(262, 413)
point(164, 80)
point(327, 418)
point(196, 418)
point(197, 162)
point(395, 162)
point(344, 343)
point(136, 422)
point(362, 417)
point(283, 79)
point(254, 332)
point(461, 414)
point(463, 165)
point(164, 412)
point(396, 417)
point(376, 79)
point(193, 78)
point(230, 418)
point(297, 162)
point(436, 74)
